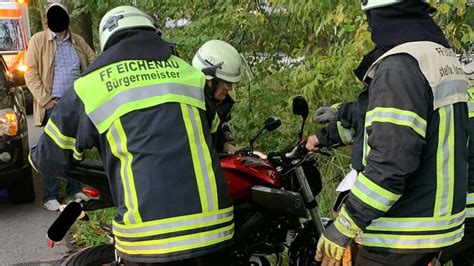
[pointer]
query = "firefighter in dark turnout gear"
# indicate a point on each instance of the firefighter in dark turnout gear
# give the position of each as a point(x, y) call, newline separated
point(463, 253)
point(410, 199)
point(222, 65)
point(144, 109)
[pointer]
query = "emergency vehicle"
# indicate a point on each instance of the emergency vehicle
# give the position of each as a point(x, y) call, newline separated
point(14, 33)
point(16, 180)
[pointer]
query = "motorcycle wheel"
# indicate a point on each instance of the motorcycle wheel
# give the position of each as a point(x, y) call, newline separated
point(95, 255)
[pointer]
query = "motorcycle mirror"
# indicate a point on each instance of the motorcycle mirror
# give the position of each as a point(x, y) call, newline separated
point(300, 107)
point(272, 123)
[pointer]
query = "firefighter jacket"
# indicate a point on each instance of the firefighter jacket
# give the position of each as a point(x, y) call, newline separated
point(145, 114)
point(411, 196)
point(218, 117)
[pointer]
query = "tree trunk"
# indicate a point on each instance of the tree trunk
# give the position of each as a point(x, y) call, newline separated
point(37, 17)
point(81, 24)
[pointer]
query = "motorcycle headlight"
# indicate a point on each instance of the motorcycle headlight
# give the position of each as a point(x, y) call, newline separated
point(8, 122)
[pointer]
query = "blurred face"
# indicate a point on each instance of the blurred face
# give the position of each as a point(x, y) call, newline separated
point(222, 90)
point(58, 19)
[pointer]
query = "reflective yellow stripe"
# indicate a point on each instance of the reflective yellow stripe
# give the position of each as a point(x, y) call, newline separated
point(398, 117)
point(470, 198)
point(451, 161)
point(372, 194)
point(470, 104)
point(118, 146)
point(470, 212)
point(344, 133)
point(470, 207)
point(175, 224)
point(445, 163)
point(345, 224)
point(412, 241)
point(416, 224)
point(176, 244)
point(31, 162)
point(215, 124)
point(63, 141)
point(365, 148)
point(201, 158)
point(204, 149)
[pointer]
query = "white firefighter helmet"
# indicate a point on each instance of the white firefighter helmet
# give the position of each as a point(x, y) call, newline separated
point(121, 18)
point(371, 4)
point(221, 56)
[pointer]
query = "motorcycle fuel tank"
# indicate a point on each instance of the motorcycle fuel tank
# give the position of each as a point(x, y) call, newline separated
point(243, 172)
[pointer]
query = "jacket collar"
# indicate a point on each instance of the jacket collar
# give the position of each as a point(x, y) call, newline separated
point(50, 36)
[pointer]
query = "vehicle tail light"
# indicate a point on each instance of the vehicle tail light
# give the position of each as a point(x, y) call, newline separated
point(8, 122)
point(91, 192)
point(22, 68)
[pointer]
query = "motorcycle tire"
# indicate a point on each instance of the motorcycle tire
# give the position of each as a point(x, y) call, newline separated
point(95, 255)
point(22, 190)
point(303, 249)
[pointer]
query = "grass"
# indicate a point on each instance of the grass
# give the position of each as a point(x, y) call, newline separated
point(88, 233)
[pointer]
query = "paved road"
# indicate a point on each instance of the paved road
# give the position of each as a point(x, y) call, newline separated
point(23, 227)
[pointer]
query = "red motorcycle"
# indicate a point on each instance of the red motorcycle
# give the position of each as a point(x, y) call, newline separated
point(275, 210)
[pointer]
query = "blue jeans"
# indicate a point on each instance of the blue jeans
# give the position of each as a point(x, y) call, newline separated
point(50, 185)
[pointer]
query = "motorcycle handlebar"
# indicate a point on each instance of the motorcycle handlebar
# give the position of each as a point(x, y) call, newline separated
point(299, 150)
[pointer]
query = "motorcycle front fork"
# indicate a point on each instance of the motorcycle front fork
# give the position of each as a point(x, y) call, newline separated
point(310, 201)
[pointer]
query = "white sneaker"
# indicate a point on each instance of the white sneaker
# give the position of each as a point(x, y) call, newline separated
point(80, 197)
point(52, 205)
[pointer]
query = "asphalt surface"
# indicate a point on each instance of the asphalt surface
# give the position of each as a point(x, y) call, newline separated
point(23, 227)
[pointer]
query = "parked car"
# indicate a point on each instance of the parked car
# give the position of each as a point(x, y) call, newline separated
point(16, 180)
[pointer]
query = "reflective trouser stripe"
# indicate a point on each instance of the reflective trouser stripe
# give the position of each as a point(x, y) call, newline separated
point(175, 224)
point(445, 163)
point(202, 163)
point(398, 117)
point(215, 124)
point(411, 241)
point(63, 141)
point(118, 146)
point(416, 224)
point(344, 134)
point(176, 244)
point(372, 194)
